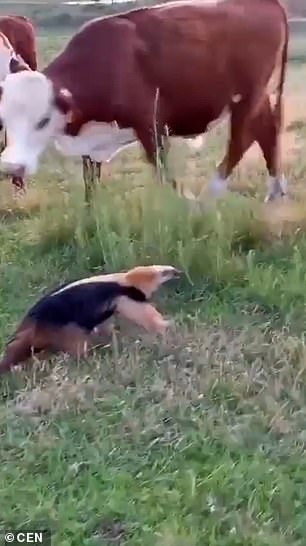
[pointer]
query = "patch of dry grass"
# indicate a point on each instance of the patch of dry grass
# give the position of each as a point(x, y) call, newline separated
point(256, 372)
point(204, 423)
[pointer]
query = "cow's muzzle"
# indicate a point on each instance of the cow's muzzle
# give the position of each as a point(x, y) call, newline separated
point(15, 169)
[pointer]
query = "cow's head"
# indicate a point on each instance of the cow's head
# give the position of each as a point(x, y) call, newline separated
point(33, 113)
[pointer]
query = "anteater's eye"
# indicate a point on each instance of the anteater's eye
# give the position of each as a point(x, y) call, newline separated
point(43, 122)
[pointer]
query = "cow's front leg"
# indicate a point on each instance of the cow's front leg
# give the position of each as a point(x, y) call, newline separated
point(3, 144)
point(18, 182)
point(162, 143)
point(3, 176)
point(156, 147)
point(164, 149)
point(91, 176)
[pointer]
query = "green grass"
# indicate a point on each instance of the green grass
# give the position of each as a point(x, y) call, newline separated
point(197, 439)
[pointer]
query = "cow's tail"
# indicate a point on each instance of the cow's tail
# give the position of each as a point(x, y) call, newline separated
point(278, 109)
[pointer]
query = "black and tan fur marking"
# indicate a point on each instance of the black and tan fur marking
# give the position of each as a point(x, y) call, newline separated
point(65, 319)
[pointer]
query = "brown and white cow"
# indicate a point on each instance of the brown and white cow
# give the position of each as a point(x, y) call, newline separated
point(200, 59)
point(10, 62)
point(20, 33)
point(7, 56)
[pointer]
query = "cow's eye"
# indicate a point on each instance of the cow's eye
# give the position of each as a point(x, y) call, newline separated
point(43, 122)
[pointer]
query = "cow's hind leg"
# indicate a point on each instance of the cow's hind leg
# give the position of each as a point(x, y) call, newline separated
point(91, 177)
point(240, 140)
point(263, 127)
point(266, 128)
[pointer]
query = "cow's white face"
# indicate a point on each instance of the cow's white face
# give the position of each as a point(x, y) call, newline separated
point(32, 116)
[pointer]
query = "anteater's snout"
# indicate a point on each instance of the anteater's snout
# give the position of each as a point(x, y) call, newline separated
point(171, 273)
point(177, 273)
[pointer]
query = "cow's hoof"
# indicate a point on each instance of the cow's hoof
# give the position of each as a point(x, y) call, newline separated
point(217, 188)
point(271, 197)
point(277, 188)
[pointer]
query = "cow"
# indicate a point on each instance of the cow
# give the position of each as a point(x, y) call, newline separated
point(10, 62)
point(20, 32)
point(7, 56)
point(169, 69)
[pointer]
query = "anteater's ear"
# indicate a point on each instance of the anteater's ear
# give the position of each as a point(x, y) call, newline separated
point(65, 103)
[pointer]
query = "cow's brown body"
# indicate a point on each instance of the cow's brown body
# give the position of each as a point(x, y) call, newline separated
point(203, 58)
point(21, 34)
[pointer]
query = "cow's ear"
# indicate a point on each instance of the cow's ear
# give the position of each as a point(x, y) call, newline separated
point(17, 64)
point(63, 100)
point(65, 103)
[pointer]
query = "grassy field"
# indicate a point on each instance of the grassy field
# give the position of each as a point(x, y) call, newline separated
point(196, 440)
